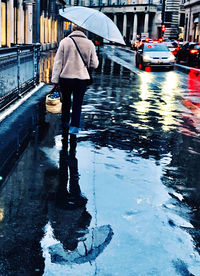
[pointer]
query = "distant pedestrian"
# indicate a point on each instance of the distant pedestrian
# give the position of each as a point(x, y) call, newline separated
point(71, 73)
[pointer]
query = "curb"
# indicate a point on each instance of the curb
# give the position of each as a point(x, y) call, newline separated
point(14, 106)
point(187, 69)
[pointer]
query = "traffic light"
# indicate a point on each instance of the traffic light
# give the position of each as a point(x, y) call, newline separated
point(163, 28)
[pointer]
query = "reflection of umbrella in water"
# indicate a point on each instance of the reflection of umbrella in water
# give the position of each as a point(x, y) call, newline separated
point(89, 247)
point(93, 21)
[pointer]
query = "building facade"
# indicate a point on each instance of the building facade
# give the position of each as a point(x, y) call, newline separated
point(172, 18)
point(141, 18)
point(192, 20)
point(133, 17)
point(30, 21)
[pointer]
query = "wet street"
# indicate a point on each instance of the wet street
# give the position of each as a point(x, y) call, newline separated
point(133, 199)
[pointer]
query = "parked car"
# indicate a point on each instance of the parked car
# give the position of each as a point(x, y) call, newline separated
point(172, 46)
point(147, 40)
point(138, 43)
point(189, 54)
point(154, 55)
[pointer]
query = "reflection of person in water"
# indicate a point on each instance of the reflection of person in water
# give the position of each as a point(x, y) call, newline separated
point(77, 243)
point(70, 217)
point(71, 196)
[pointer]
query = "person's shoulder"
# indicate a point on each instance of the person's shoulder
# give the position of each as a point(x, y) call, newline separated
point(61, 42)
point(90, 42)
point(65, 41)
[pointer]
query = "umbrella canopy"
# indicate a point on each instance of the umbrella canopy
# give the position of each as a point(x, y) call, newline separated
point(89, 247)
point(93, 21)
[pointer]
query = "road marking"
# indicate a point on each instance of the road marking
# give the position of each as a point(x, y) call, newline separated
point(14, 106)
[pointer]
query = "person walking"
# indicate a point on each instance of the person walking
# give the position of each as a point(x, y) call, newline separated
point(70, 71)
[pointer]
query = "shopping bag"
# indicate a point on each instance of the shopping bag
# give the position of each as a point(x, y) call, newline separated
point(53, 102)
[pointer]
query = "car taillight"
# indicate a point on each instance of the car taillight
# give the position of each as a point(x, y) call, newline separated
point(194, 51)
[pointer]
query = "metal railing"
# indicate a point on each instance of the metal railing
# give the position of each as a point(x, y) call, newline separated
point(19, 72)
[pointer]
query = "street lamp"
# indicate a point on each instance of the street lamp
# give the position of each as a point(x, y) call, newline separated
point(163, 12)
point(163, 28)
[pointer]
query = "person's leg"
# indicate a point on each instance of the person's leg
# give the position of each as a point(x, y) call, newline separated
point(78, 94)
point(65, 87)
point(73, 144)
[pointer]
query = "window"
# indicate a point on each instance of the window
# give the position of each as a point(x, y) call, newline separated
point(168, 16)
point(155, 47)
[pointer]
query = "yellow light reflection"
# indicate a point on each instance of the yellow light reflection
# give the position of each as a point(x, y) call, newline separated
point(1, 214)
point(169, 90)
point(145, 79)
point(42, 28)
point(171, 83)
point(45, 30)
point(67, 25)
point(52, 30)
point(3, 24)
point(46, 65)
point(56, 24)
point(143, 106)
point(49, 30)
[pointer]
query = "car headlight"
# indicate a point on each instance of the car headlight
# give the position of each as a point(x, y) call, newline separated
point(146, 58)
point(172, 58)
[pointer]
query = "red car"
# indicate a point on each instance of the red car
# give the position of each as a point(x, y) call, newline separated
point(189, 54)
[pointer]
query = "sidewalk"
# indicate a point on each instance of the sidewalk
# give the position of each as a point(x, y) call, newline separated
point(17, 124)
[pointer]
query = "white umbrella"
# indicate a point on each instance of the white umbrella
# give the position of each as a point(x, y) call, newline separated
point(88, 249)
point(94, 21)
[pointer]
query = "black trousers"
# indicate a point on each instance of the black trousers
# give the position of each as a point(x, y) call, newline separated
point(77, 88)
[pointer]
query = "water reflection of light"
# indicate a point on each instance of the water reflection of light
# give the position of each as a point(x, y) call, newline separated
point(47, 241)
point(46, 65)
point(143, 106)
point(169, 90)
point(1, 214)
point(145, 79)
point(194, 81)
point(171, 83)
